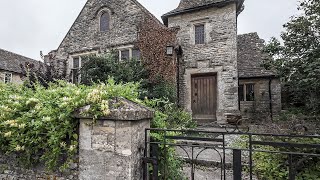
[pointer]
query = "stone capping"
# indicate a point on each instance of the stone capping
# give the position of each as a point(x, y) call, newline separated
point(122, 110)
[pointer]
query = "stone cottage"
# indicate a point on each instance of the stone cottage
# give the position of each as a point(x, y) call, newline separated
point(10, 67)
point(196, 46)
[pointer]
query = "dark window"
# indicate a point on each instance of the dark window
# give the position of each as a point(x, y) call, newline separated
point(136, 54)
point(246, 92)
point(76, 63)
point(241, 93)
point(104, 22)
point(75, 76)
point(250, 92)
point(7, 78)
point(125, 55)
point(75, 70)
point(199, 34)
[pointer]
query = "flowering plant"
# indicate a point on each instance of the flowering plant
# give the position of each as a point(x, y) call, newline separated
point(38, 124)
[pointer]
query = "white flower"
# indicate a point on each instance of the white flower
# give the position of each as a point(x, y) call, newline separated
point(19, 148)
point(63, 144)
point(72, 148)
point(46, 119)
point(32, 101)
point(65, 99)
point(11, 123)
point(22, 126)
point(8, 134)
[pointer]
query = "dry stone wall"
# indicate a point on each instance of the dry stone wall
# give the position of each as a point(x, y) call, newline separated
point(10, 169)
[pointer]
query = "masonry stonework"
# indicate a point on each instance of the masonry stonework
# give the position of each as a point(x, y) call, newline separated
point(218, 55)
point(113, 147)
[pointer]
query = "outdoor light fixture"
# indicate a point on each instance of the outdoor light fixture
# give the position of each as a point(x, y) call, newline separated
point(169, 50)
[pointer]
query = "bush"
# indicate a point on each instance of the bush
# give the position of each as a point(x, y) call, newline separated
point(38, 125)
point(169, 116)
point(275, 165)
point(97, 69)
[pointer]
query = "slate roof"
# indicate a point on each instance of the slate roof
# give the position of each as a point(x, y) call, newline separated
point(251, 56)
point(10, 61)
point(194, 5)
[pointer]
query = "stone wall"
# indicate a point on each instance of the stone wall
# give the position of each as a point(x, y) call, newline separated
point(218, 55)
point(131, 26)
point(85, 36)
point(16, 78)
point(113, 147)
point(10, 169)
point(259, 109)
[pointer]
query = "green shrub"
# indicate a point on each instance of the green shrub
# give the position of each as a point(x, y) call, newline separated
point(38, 125)
point(97, 69)
point(169, 116)
point(275, 165)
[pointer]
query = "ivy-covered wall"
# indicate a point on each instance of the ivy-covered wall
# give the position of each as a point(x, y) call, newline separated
point(153, 39)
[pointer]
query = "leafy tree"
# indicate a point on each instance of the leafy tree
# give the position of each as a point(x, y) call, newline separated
point(298, 59)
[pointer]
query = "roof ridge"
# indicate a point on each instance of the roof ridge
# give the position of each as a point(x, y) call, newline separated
point(7, 51)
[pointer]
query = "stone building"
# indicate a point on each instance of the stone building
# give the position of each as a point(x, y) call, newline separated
point(10, 67)
point(259, 89)
point(196, 47)
point(208, 36)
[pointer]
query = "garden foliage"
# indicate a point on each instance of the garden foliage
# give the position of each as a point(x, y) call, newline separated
point(297, 60)
point(97, 69)
point(38, 125)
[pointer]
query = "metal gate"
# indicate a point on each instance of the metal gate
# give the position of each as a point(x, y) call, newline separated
point(231, 160)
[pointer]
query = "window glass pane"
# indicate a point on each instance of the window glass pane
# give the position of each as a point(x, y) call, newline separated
point(241, 93)
point(76, 62)
point(7, 78)
point(199, 34)
point(250, 92)
point(136, 54)
point(125, 55)
point(75, 76)
point(104, 22)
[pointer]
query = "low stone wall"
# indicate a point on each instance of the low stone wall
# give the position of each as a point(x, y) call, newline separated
point(11, 170)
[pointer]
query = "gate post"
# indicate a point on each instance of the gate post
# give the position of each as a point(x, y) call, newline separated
point(237, 165)
point(113, 146)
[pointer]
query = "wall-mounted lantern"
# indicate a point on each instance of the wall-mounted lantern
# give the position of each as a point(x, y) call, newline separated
point(169, 50)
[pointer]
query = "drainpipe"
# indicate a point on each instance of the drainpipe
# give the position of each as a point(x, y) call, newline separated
point(179, 53)
point(270, 99)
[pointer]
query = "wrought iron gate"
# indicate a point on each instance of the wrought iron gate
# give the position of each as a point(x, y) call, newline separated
point(234, 160)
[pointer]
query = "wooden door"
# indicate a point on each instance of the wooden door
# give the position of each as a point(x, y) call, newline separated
point(204, 97)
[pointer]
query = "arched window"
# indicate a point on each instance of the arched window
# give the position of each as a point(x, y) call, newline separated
point(104, 21)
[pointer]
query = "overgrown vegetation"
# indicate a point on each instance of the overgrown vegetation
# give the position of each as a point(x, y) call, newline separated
point(276, 165)
point(97, 69)
point(297, 60)
point(157, 94)
point(37, 124)
point(36, 119)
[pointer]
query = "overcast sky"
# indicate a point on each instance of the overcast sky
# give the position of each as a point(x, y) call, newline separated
point(29, 26)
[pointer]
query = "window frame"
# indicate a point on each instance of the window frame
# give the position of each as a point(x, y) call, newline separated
point(103, 12)
point(195, 33)
point(5, 77)
point(245, 93)
point(80, 56)
point(130, 49)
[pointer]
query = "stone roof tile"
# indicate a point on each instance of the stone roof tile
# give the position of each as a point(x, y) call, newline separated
point(251, 56)
point(192, 5)
point(10, 61)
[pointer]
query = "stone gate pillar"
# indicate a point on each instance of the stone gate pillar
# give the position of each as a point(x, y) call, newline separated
point(112, 148)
